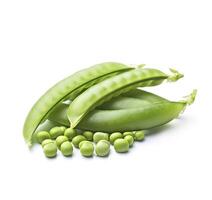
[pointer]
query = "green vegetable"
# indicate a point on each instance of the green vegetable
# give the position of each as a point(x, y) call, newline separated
point(129, 133)
point(115, 136)
point(77, 139)
point(88, 135)
point(66, 148)
point(139, 135)
point(70, 133)
point(42, 135)
point(129, 139)
point(47, 141)
point(87, 149)
point(56, 131)
point(50, 150)
point(102, 148)
point(112, 87)
point(67, 88)
point(60, 140)
point(121, 145)
point(100, 136)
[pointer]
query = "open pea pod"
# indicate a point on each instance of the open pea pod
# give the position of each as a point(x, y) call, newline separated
point(114, 86)
point(145, 117)
point(67, 88)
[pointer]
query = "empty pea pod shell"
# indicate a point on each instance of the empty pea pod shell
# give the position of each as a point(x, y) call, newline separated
point(114, 86)
point(67, 88)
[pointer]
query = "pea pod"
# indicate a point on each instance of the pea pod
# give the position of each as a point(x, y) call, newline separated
point(112, 87)
point(69, 87)
point(146, 117)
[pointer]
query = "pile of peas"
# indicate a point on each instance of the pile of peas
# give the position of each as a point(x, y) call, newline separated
point(89, 143)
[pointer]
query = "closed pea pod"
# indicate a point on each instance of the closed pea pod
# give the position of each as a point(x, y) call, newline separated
point(112, 87)
point(69, 87)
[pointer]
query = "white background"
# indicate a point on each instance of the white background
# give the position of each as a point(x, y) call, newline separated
point(41, 42)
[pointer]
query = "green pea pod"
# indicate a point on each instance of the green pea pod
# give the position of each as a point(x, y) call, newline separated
point(114, 86)
point(67, 88)
point(145, 117)
point(132, 99)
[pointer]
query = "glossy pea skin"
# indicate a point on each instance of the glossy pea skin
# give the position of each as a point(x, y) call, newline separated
point(70, 133)
point(69, 87)
point(42, 135)
point(109, 88)
point(121, 145)
point(139, 135)
point(88, 135)
point(56, 131)
point(102, 148)
point(129, 139)
point(100, 136)
point(50, 150)
point(115, 136)
point(60, 140)
point(129, 133)
point(66, 148)
point(77, 139)
point(47, 141)
point(87, 149)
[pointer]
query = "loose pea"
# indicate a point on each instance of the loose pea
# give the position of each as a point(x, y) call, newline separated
point(70, 133)
point(100, 136)
point(87, 149)
point(115, 136)
point(139, 135)
point(60, 139)
point(47, 141)
point(121, 145)
point(42, 135)
point(81, 143)
point(77, 139)
point(102, 148)
point(129, 139)
point(66, 148)
point(50, 150)
point(56, 131)
point(88, 135)
point(129, 133)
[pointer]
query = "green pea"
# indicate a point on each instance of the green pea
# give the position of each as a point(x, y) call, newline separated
point(139, 135)
point(121, 145)
point(115, 136)
point(81, 143)
point(70, 133)
point(102, 148)
point(42, 135)
point(129, 139)
point(47, 141)
point(50, 150)
point(66, 148)
point(87, 149)
point(100, 136)
point(88, 135)
point(56, 131)
point(129, 133)
point(60, 139)
point(77, 139)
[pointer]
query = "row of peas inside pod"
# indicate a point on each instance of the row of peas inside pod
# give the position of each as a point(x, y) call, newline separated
point(89, 143)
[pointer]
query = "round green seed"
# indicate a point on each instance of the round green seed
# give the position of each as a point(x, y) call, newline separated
point(129, 133)
point(77, 139)
point(88, 135)
point(121, 145)
point(60, 139)
point(42, 135)
point(50, 150)
point(115, 136)
point(66, 148)
point(102, 148)
point(87, 149)
point(100, 136)
point(56, 131)
point(47, 141)
point(139, 135)
point(70, 133)
point(129, 139)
